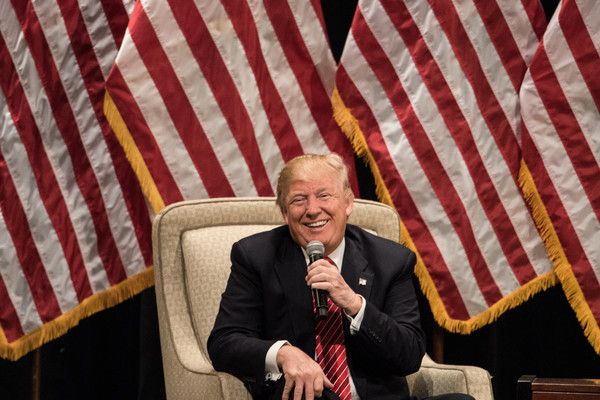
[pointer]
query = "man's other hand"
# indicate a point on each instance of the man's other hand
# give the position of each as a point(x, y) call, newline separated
point(302, 374)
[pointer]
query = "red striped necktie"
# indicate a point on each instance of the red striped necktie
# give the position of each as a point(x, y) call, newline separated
point(331, 351)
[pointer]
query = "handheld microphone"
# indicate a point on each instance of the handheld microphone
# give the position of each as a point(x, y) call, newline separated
point(315, 251)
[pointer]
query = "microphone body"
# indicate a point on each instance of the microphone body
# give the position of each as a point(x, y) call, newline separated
point(316, 251)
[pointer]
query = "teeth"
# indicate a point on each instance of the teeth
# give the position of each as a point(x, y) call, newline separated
point(316, 224)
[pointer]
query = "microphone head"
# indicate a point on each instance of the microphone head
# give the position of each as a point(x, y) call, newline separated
point(315, 248)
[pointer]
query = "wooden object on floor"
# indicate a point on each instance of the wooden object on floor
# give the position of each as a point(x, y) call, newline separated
point(529, 387)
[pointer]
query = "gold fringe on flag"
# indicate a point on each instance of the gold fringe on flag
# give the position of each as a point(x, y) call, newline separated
point(351, 129)
point(115, 294)
point(562, 267)
point(133, 154)
point(91, 305)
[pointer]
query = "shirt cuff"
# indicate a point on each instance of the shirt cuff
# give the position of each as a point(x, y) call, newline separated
point(272, 372)
point(356, 321)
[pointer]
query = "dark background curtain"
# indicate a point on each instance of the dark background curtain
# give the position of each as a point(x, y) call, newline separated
point(115, 354)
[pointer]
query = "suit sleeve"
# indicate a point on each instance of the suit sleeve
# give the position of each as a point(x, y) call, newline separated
point(390, 336)
point(235, 345)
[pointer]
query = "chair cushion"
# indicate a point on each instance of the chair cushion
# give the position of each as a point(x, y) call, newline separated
point(207, 266)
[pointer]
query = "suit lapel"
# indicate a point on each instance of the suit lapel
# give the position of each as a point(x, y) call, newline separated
point(355, 271)
point(290, 268)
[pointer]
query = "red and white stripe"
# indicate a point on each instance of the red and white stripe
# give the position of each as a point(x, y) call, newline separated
point(561, 145)
point(330, 350)
point(434, 87)
point(218, 95)
point(73, 221)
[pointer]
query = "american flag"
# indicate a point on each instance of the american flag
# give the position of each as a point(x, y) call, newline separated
point(560, 99)
point(210, 99)
point(74, 224)
point(429, 92)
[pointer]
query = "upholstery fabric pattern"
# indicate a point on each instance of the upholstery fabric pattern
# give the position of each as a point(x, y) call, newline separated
point(205, 247)
point(434, 379)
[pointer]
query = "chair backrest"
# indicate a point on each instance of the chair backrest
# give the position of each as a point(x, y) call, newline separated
point(191, 242)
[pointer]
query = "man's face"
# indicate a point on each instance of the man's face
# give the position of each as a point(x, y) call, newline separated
point(316, 209)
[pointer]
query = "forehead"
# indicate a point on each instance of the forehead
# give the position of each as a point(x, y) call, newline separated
point(313, 184)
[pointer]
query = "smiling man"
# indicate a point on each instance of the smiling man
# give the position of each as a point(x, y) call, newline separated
point(266, 332)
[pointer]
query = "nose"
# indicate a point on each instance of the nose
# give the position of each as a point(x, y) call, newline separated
point(312, 207)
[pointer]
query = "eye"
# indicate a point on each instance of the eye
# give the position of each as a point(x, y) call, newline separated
point(296, 201)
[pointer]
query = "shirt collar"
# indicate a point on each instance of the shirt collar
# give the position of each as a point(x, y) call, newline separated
point(337, 256)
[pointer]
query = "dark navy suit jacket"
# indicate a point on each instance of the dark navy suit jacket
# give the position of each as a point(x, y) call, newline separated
point(267, 299)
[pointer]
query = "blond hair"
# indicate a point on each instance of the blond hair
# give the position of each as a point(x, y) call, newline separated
point(308, 164)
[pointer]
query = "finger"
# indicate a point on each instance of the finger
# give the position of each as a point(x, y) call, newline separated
point(298, 390)
point(322, 264)
point(319, 279)
point(322, 275)
point(309, 394)
point(327, 383)
point(287, 388)
point(321, 285)
point(318, 386)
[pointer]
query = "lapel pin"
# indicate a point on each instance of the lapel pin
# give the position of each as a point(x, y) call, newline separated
point(362, 281)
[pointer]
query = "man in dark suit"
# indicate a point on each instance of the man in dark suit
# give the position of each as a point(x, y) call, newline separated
point(264, 333)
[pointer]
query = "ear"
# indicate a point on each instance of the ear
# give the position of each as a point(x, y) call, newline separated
point(349, 207)
point(284, 214)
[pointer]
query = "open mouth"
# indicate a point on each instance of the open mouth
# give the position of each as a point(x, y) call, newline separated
point(316, 224)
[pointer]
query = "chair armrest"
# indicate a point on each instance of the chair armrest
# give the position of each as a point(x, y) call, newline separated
point(434, 379)
point(188, 373)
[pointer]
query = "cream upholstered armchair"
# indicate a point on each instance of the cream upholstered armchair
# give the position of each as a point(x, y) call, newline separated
point(192, 241)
